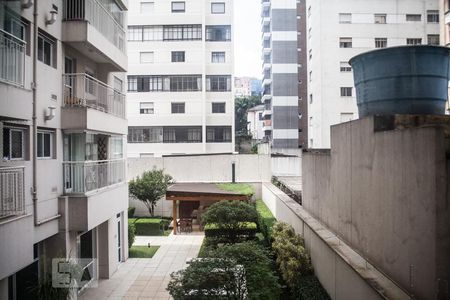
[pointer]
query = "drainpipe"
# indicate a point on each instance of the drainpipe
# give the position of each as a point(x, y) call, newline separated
point(34, 121)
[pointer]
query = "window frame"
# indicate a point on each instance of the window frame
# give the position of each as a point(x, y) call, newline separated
point(148, 53)
point(381, 43)
point(216, 57)
point(41, 136)
point(343, 20)
point(176, 55)
point(178, 10)
point(431, 36)
point(345, 44)
point(433, 14)
point(345, 67)
point(215, 83)
point(218, 107)
point(146, 2)
point(211, 33)
point(413, 17)
point(10, 146)
point(213, 131)
point(216, 3)
point(413, 41)
point(345, 90)
point(43, 39)
point(175, 107)
point(380, 18)
point(147, 111)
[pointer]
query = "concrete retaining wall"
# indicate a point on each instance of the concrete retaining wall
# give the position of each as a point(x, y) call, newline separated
point(343, 273)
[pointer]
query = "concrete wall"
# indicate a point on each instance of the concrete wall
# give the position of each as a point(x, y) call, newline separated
point(343, 272)
point(385, 194)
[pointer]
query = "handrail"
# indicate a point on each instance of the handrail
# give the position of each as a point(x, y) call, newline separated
point(13, 36)
point(94, 79)
point(93, 161)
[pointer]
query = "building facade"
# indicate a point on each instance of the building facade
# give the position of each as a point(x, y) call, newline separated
point(339, 30)
point(284, 72)
point(245, 87)
point(63, 190)
point(180, 78)
point(255, 122)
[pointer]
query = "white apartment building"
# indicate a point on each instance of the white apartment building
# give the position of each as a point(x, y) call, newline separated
point(339, 30)
point(63, 190)
point(255, 122)
point(180, 77)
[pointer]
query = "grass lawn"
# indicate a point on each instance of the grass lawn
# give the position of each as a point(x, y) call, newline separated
point(241, 188)
point(143, 251)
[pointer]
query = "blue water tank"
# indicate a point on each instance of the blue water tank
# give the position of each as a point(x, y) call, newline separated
point(402, 80)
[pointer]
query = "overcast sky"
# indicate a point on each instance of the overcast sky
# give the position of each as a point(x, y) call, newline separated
point(247, 43)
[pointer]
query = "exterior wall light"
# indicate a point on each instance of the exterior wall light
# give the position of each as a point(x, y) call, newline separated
point(27, 4)
point(51, 113)
point(52, 19)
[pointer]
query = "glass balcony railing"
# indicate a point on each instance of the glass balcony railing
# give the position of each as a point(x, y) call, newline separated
point(81, 177)
point(83, 90)
point(12, 59)
point(98, 16)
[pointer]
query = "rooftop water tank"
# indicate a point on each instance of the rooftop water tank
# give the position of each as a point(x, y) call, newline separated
point(402, 80)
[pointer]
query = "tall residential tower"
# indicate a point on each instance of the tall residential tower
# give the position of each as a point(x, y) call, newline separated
point(180, 78)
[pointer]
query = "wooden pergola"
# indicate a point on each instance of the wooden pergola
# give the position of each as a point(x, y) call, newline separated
point(180, 192)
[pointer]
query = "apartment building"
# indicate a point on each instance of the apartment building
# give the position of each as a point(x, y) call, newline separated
point(180, 77)
point(284, 73)
point(245, 87)
point(255, 122)
point(339, 30)
point(63, 190)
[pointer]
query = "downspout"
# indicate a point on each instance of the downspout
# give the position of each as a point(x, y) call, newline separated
point(34, 121)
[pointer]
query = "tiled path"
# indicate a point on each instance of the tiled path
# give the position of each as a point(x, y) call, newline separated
point(147, 278)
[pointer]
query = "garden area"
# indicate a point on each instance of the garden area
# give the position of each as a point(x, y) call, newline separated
point(247, 254)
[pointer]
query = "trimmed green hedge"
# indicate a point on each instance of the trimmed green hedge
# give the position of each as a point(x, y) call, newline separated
point(265, 221)
point(149, 226)
point(225, 234)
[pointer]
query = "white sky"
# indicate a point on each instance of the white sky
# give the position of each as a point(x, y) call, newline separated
point(247, 42)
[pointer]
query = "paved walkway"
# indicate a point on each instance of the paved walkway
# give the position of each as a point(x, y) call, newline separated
point(147, 278)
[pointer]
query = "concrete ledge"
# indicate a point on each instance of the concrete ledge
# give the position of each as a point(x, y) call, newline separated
point(385, 288)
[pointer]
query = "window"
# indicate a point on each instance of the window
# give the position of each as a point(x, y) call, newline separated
point(132, 83)
point(260, 116)
point(433, 39)
point(413, 41)
point(46, 50)
point(13, 143)
point(147, 57)
point(134, 33)
point(178, 56)
point(147, 108)
point(432, 16)
point(145, 134)
point(164, 83)
point(152, 33)
point(178, 7)
point(345, 42)
point(118, 85)
point(380, 42)
point(183, 134)
point(218, 33)
point(147, 8)
point(218, 57)
point(218, 83)
point(413, 18)
point(218, 8)
point(345, 18)
point(182, 32)
point(218, 134)
point(346, 91)
point(380, 18)
point(218, 107)
point(44, 144)
point(345, 66)
point(178, 107)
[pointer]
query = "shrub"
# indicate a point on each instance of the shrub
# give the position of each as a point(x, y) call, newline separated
point(261, 280)
point(131, 211)
point(230, 215)
point(229, 235)
point(309, 288)
point(292, 258)
point(265, 221)
point(131, 234)
point(148, 226)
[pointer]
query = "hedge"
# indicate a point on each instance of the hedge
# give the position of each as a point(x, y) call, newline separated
point(231, 235)
point(131, 234)
point(131, 211)
point(149, 226)
point(309, 288)
point(265, 221)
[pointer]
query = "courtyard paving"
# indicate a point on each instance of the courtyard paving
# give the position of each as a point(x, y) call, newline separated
point(147, 278)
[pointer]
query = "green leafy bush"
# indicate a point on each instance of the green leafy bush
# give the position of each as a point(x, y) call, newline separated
point(148, 226)
point(265, 221)
point(131, 211)
point(131, 234)
point(292, 258)
point(261, 280)
point(309, 288)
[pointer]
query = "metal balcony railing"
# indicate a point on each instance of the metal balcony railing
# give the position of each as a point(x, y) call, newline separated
point(85, 176)
point(12, 195)
point(12, 59)
point(98, 16)
point(83, 90)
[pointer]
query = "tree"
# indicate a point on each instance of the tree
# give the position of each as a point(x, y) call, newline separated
point(151, 187)
point(242, 105)
point(262, 281)
point(209, 279)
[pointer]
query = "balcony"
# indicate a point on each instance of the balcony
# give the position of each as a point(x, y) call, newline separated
point(12, 193)
point(267, 125)
point(82, 177)
point(12, 59)
point(92, 104)
point(94, 31)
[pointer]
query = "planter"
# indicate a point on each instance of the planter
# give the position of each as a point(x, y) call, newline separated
point(402, 80)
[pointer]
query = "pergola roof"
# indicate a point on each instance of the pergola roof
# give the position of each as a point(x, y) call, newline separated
point(200, 191)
